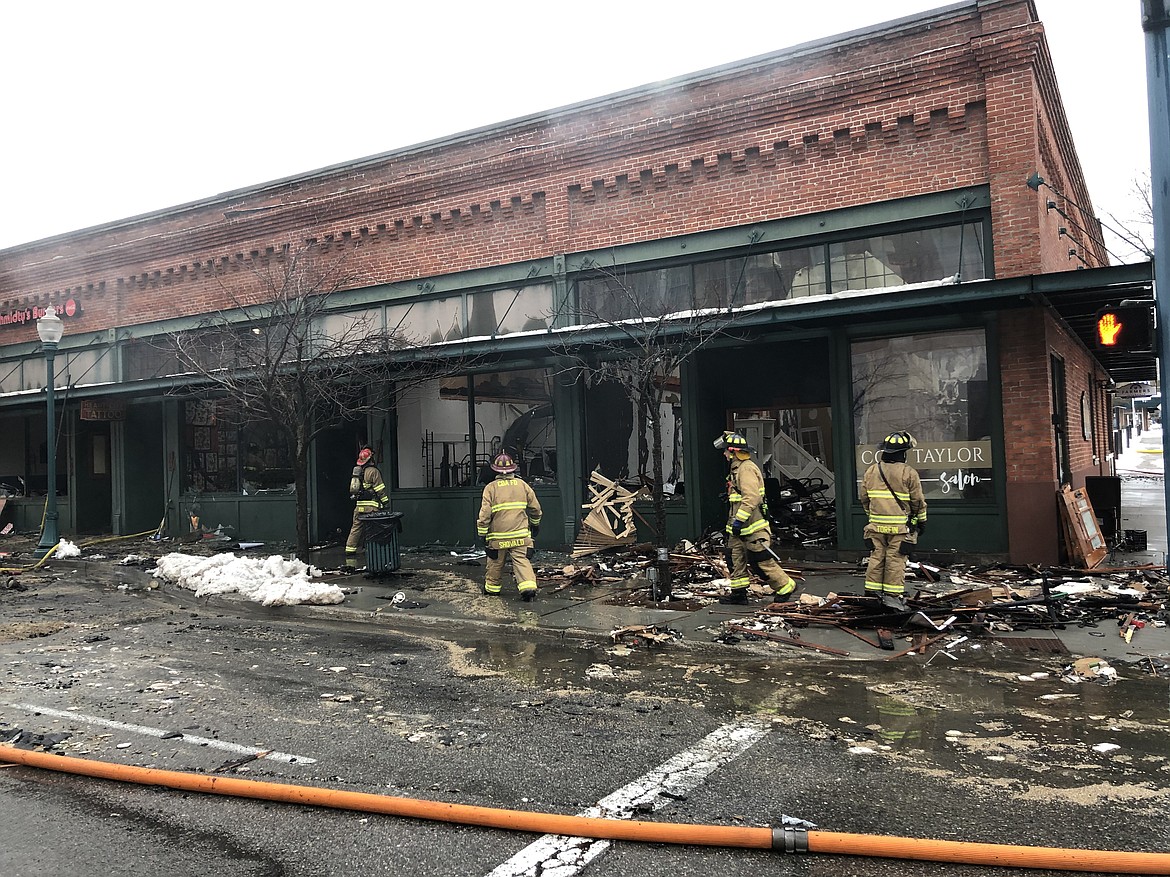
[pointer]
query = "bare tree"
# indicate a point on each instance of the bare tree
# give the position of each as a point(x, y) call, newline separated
point(637, 331)
point(287, 357)
point(1136, 232)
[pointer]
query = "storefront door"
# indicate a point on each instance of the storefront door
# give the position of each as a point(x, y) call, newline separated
point(94, 497)
point(335, 452)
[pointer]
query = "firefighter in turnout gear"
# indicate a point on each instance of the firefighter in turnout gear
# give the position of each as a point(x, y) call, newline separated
point(369, 492)
point(891, 494)
point(509, 516)
point(749, 536)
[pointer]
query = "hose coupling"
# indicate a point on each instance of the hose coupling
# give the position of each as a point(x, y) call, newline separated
point(790, 840)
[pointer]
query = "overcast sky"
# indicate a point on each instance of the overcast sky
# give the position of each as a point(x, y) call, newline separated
point(121, 108)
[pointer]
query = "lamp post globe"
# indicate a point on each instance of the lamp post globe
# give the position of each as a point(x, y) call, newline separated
point(50, 330)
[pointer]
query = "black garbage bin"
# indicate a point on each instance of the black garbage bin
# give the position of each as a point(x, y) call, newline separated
point(381, 531)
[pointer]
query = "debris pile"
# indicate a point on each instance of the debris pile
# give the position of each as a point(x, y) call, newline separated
point(697, 572)
point(943, 606)
point(644, 635)
point(801, 512)
point(961, 604)
point(609, 517)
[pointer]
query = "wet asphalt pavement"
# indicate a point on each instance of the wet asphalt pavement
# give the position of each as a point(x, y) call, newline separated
point(452, 696)
point(492, 702)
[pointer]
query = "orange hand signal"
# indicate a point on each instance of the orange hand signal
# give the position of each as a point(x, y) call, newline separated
point(1108, 328)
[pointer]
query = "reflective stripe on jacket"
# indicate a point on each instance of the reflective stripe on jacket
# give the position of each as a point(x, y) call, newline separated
point(373, 496)
point(745, 496)
point(881, 504)
point(507, 509)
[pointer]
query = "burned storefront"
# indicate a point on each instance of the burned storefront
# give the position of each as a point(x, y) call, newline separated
point(769, 221)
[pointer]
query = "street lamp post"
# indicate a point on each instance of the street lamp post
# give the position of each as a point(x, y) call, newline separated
point(50, 329)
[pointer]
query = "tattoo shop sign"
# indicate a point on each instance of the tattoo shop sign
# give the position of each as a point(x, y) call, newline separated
point(948, 468)
point(103, 409)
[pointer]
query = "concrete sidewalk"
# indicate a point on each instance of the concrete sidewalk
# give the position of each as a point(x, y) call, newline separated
point(594, 612)
point(439, 586)
point(1143, 498)
point(448, 585)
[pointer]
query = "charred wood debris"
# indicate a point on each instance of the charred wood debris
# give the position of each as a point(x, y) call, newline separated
point(943, 606)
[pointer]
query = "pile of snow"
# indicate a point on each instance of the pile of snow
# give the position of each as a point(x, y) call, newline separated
point(272, 581)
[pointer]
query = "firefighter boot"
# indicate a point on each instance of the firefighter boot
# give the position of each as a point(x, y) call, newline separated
point(737, 597)
point(786, 597)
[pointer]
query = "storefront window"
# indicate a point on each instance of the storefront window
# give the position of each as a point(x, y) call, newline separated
point(340, 331)
point(91, 365)
point(434, 446)
point(935, 385)
point(504, 311)
point(619, 440)
point(223, 453)
point(427, 322)
point(24, 456)
point(449, 429)
point(921, 256)
point(12, 375)
point(763, 277)
point(143, 359)
point(637, 294)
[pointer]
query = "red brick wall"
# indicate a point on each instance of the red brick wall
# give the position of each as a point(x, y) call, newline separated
point(948, 102)
point(1028, 340)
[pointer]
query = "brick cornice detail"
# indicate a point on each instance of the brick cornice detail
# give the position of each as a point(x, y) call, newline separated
point(816, 118)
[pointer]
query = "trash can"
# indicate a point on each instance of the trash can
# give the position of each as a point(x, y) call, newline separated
point(381, 531)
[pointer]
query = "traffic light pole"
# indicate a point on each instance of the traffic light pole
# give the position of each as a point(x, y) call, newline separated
point(1155, 21)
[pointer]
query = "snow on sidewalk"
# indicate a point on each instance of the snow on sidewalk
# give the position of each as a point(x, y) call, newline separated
point(272, 581)
point(1144, 454)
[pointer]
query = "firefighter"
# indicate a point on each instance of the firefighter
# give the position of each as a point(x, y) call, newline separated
point(891, 494)
point(368, 491)
point(749, 536)
point(509, 516)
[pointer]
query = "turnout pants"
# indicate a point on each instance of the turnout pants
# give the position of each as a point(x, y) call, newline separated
point(357, 535)
point(886, 572)
point(355, 542)
point(521, 570)
point(753, 551)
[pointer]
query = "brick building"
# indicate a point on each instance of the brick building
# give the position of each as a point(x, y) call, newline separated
point(859, 206)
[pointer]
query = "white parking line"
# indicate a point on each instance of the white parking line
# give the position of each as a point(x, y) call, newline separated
point(565, 856)
point(157, 732)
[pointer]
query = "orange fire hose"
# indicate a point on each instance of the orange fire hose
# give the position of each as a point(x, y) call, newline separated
point(780, 839)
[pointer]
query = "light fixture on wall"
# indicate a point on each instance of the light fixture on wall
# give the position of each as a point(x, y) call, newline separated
point(50, 329)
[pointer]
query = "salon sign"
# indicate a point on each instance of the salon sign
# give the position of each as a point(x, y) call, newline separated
point(948, 469)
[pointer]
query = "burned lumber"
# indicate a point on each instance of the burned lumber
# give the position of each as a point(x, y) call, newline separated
point(609, 518)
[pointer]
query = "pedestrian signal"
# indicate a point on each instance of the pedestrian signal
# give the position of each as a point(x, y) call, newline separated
point(1127, 328)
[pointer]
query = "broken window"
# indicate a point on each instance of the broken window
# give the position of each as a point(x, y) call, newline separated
point(24, 456)
point(934, 385)
point(619, 438)
point(450, 429)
